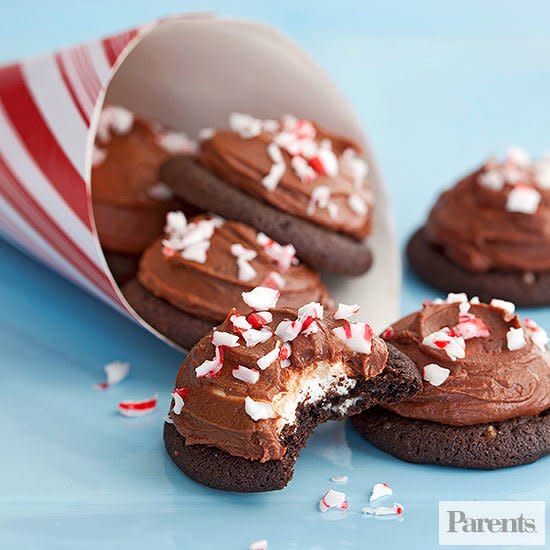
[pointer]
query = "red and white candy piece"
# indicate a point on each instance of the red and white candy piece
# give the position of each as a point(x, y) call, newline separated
point(261, 298)
point(258, 545)
point(250, 376)
point(507, 307)
point(515, 338)
point(340, 479)
point(358, 204)
point(274, 280)
point(345, 311)
point(333, 499)
point(491, 179)
point(454, 346)
point(178, 395)
point(456, 298)
point(435, 374)
point(269, 358)
point(259, 319)
point(469, 326)
point(312, 309)
point(355, 166)
point(394, 510)
point(320, 197)
point(357, 336)
point(175, 142)
point(244, 256)
point(115, 119)
point(324, 162)
point(253, 337)
point(116, 372)
point(245, 125)
point(258, 410)
point(537, 334)
point(283, 256)
point(284, 355)
point(138, 408)
point(210, 368)
point(240, 323)
point(220, 338)
point(524, 199)
point(380, 490)
point(388, 333)
point(288, 330)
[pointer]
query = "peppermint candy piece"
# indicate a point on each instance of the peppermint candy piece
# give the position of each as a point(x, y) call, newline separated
point(524, 199)
point(206, 133)
point(196, 252)
point(114, 118)
point(272, 179)
point(284, 256)
point(160, 192)
point(345, 311)
point(288, 330)
point(324, 162)
point(454, 298)
point(239, 322)
point(491, 179)
point(178, 395)
point(209, 368)
point(320, 197)
point(507, 307)
point(284, 355)
point(380, 490)
point(339, 479)
point(269, 358)
point(454, 346)
point(518, 156)
point(252, 337)
point(469, 326)
point(274, 280)
point(258, 410)
point(220, 338)
point(434, 374)
point(261, 298)
point(357, 336)
point(302, 169)
point(537, 334)
point(354, 166)
point(515, 338)
point(394, 510)
point(357, 204)
point(175, 143)
point(245, 125)
point(176, 223)
point(312, 309)
point(115, 372)
point(333, 499)
point(244, 255)
point(250, 376)
point(138, 408)
point(258, 545)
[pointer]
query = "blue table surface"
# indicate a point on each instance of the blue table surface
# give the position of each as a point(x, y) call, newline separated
point(438, 86)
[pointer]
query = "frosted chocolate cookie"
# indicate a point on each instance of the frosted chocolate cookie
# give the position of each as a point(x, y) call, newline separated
point(188, 281)
point(486, 397)
point(250, 393)
point(290, 179)
point(488, 235)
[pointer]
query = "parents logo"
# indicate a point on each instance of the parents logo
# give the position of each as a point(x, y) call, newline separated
point(492, 523)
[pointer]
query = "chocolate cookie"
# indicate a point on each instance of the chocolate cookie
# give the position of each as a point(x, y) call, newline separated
point(320, 248)
point(488, 234)
point(123, 266)
point(218, 469)
point(180, 327)
point(481, 446)
point(430, 263)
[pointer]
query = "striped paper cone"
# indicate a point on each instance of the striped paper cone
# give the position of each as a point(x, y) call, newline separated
point(188, 72)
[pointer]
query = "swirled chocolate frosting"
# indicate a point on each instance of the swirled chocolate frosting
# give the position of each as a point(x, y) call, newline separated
point(202, 267)
point(295, 166)
point(240, 387)
point(480, 363)
point(497, 218)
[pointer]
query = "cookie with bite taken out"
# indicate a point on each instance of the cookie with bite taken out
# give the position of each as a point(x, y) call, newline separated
point(486, 397)
point(250, 393)
point(290, 179)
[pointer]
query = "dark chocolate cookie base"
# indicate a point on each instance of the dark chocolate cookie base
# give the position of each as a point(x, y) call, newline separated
point(184, 329)
point(123, 266)
point(433, 267)
point(220, 470)
point(320, 248)
point(483, 446)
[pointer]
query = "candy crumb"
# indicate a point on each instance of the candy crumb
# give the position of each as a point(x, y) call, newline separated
point(258, 545)
point(339, 479)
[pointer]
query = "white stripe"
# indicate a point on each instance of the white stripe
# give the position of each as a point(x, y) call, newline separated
point(99, 61)
point(30, 175)
point(74, 78)
point(57, 108)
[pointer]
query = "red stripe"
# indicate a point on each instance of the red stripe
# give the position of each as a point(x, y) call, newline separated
point(42, 145)
point(138, 405)
point(42, 223)
point(113, 45)
point(81, 72)
point(70, 88)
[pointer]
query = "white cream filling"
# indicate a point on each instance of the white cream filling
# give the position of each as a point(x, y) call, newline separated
point(310, 387)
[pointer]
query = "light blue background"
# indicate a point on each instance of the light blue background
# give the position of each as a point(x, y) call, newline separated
point(438, 86)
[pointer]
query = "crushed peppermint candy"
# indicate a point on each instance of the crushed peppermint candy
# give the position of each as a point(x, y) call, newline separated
point(538, 335)
point(320, 198)
point(114, 118)
point(333, 499)
point(388, 333)
point(244, 256)
point(269, 358)
point(284, 355)
point(283, 256)
point(435, 374)
point(274, 280)
point(240, 323)
point(339, 479)
point(258, 410)
point(175, 142)
point(138, 408)
point(345, 311)
point(258, 545)
point(523, 199)
point(515, 338)
point(469, 326)
point(507, 307)
point(261, 298)
point(210, 367)
point(250, 376)
point(220, 338)
point(380, 490)
point(178, 395)
point(394, 510)
point(357, 336)
point(454, 298)
point(358, 205)
point(278, 168)
point(253, 337)
point(115, 372)
point(288, 330)
point(444, 339)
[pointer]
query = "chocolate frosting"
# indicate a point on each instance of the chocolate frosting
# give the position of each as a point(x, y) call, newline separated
point(243, 162)
point(472, 226)
point(490, 384)
point(214, 411)
point(209, 290)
